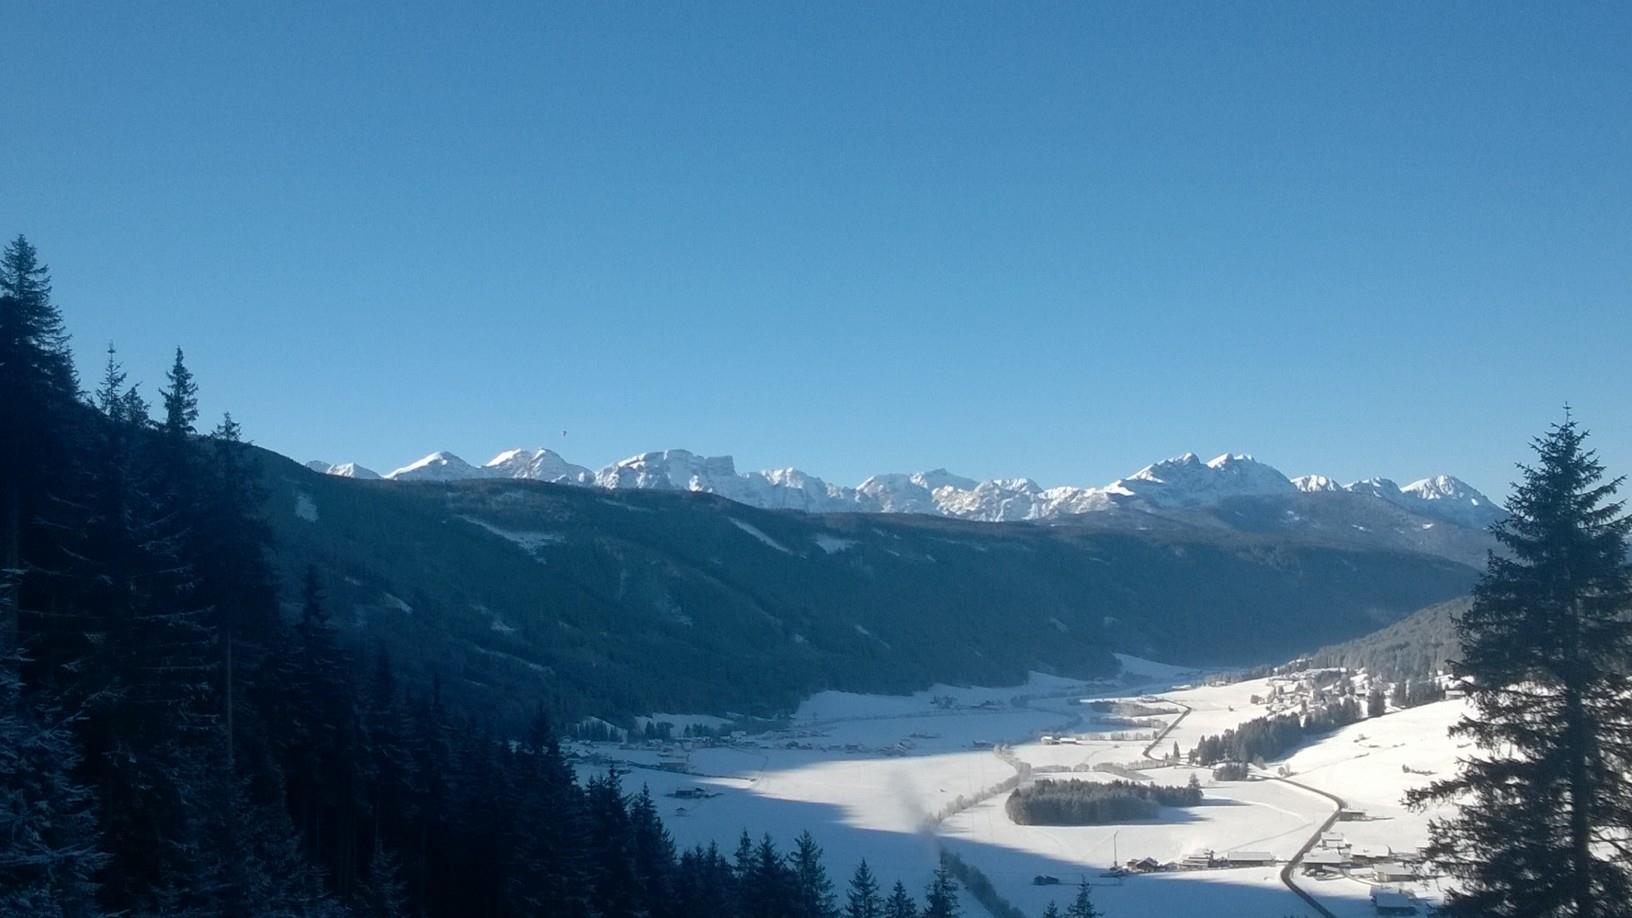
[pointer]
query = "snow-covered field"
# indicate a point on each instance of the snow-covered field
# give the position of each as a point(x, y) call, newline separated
point(895, 779)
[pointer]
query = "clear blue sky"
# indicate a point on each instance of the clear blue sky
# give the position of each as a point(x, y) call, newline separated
point(1050, 240)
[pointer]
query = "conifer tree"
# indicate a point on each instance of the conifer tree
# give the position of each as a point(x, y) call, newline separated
point(769, 886)
point(610, 849)
point(133, 651)
point(49, 847)
point(812, 890)
point(180, 401)
point(941, 899)
point(1546, 808)
point(863, 899)
point(37, 396)
point(1082, 906)
point(653, 853)
point(549, 824)
point(742, 861)
point(33, 339)
point(900, 904)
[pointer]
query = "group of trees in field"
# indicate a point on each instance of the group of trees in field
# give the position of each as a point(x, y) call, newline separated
point(1270, 737)
point(177, 739)
point(1410, 693)
point(1047, 802)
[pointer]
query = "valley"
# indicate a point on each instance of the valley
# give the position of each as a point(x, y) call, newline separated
point(898, 780)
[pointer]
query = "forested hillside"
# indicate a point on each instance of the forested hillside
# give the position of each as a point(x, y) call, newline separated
point(1413, 648)
point(171, 744)
point(622, 603)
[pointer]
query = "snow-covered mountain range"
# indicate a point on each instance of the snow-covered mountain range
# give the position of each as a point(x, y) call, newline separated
point(1178, 483)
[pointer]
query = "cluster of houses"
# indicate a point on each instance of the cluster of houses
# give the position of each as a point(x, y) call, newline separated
point(1204, 859)
point(1378, 864)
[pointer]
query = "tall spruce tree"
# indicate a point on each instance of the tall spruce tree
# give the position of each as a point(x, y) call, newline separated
point(38, 395)
point(180, 401)
point(862, 899)
point(1545, 811)
point(941, 899)
point(1082, 905)
point(900, 904)
point(812, 890)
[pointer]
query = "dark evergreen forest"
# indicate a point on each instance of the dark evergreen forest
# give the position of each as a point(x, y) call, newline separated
point(173, 742)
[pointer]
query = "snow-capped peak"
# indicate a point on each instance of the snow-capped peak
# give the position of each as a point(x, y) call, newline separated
point(438, 466)
point(1181, 482)
point(1186, 480)
point(1167, 468)
point(343, 470)
point(537, 465)
point(1441, 496)
point(1315, 483)
point(1445, 487)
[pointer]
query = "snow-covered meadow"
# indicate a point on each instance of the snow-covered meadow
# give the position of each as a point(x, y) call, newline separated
point(898, 779)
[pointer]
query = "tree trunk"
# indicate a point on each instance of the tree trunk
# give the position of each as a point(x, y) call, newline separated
point(10, 589)
point(1580, 805)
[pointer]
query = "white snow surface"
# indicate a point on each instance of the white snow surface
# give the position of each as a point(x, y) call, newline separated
point(759, 534)
point(897, 779)
point(1181, 482)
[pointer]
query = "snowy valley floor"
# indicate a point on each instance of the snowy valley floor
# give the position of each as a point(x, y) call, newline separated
point(894, 779)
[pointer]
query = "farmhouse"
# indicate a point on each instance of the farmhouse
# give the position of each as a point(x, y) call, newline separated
point(1393, 902)
point(1200, 860)
point(1392, 872)
point(1325, 858)
point(1248, 858)
point(1371, 854)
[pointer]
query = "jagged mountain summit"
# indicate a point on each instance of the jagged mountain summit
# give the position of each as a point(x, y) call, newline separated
point(343, 470)
point(1179, 483)
point(534, 464)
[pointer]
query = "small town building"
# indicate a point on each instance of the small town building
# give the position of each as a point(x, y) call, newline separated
point(1200, 860)
point(1325, 858)
point(1392, 872)
point(1248, 858)
point(1371, 854)
point(1394, 902)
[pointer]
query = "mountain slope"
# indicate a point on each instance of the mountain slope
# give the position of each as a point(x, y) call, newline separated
point(1414, 647)
point(630, 601)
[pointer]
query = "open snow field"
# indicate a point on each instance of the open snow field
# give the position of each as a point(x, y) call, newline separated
point(894, 779)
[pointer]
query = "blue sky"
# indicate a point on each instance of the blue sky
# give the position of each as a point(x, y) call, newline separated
point(1053, 240)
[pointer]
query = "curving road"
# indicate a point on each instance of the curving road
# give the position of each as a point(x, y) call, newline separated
point(1314, 839)
point(1292, 865)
